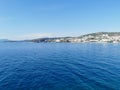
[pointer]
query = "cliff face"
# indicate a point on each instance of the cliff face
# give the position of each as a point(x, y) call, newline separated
point(93, 37)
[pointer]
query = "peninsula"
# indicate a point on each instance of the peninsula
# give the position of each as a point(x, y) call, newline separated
point(100, 37)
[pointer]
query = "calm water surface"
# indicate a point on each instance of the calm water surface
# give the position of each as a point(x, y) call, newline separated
point(59, 66)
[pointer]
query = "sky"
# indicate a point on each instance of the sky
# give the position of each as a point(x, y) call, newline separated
point(27, 19)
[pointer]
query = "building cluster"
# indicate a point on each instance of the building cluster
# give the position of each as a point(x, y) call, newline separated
point(90, 38)
point(100, 37)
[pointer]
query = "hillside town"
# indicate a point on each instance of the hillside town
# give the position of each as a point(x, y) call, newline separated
point(101, 37)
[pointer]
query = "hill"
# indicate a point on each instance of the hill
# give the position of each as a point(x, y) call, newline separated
point(109, 37)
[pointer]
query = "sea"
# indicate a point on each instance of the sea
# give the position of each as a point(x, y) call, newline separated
point(59, 66)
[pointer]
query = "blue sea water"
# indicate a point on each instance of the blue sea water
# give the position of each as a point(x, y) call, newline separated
point(59, 66)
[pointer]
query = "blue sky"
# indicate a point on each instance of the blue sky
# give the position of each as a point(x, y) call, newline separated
point(26, 19)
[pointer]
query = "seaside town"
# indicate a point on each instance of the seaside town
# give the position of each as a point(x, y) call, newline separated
point(101, 37)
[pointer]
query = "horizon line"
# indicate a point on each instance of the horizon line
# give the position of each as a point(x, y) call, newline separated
point(53, 36)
